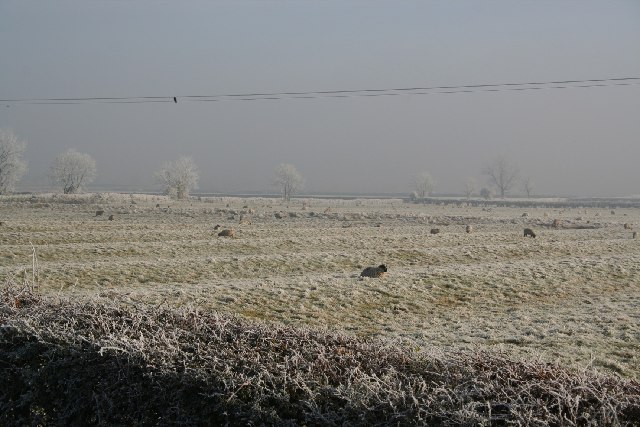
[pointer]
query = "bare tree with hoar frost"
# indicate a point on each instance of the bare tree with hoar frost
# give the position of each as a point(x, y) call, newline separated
point(486, 193)
point(423, 184)
point(12, 166)
point(73, 170)
point(527, 186)
point(179, 177)
point(288, 179)
point(502, 175)
point(470, 187)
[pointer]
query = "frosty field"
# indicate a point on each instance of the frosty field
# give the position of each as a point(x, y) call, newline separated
point(571, 295)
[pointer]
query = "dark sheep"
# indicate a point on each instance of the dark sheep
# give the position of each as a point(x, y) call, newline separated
point(227, 233)
point(99, 213)
point(435, 230)
point(469, 228)
point(378, 271)
point(628, 226)
point(111, 217)
point(529, 233)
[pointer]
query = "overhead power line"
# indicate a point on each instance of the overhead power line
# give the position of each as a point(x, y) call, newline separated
point(346, 93)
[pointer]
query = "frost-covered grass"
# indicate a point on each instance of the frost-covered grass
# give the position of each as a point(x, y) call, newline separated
point(572, 295)
point(97, 362)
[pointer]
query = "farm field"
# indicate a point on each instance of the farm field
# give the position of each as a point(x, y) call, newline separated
point(571, 295)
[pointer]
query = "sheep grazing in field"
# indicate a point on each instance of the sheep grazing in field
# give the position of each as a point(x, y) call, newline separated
point(216, 227)
point(613, 212)
point(111, 217)
point(469, 228)
point(99, 213)
point(529, 233)
point(227, 233)
point(628, 226)
point(435, 231)
point(378, 271)
point(524, 215)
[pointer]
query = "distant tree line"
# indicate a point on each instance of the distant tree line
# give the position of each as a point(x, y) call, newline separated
point(72, 171)
point(502, 177)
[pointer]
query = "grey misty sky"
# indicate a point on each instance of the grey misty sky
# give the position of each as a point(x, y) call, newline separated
point(570, 141)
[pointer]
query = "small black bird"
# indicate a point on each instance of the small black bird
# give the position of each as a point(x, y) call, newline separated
point(175, 99)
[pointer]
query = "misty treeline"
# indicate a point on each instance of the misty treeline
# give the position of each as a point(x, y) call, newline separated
point(72, 171)
point(502, 177)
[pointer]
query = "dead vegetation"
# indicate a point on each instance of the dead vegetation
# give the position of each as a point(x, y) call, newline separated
point(66, 362)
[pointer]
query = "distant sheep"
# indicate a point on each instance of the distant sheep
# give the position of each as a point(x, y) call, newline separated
point(435, 231)
point(216, 227)
point(469, 229)
point(111, 217)
point(628, 226)
point(378, 271)
point(524, 215)
point(99, 213)
point(227, 233)
point(529, 233)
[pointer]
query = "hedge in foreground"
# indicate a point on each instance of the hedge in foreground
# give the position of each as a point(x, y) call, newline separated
point(83, 363)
